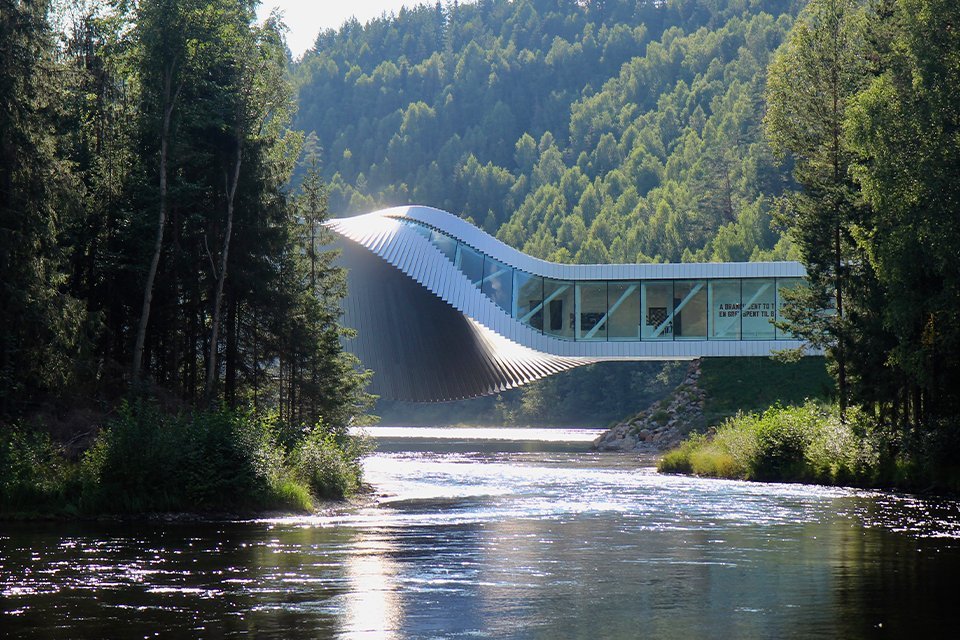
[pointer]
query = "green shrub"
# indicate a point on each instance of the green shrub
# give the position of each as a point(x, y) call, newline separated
point(789, 444)
point(702, 456)
point(329, 465)
point(716, 462)
point(290, 493)
point(34, 476)
point(149, 461)
point(678, 460)
point(781, 438)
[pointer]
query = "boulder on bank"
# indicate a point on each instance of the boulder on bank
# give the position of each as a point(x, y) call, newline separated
point(663, 424)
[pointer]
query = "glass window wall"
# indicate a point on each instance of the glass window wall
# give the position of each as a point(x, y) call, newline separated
point(624, 321)
point(591, 318)
point(422, 230)
point(559, 319)
point(498, 283)
point(690, 310)
point(446, 244)
point(759, 309)
point(782, 285)
point(725, 309)
point(656, 305)
point(528, 299)
point(470, 262)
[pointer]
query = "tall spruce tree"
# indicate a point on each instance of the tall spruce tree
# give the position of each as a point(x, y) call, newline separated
point(905, 129)
point(810, 82)
point(41, 323)
point(324, 382)
point(168, 44)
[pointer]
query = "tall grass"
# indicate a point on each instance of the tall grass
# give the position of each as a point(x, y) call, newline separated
point(805, 443)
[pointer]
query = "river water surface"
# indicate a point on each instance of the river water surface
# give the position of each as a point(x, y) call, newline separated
point(501, 533)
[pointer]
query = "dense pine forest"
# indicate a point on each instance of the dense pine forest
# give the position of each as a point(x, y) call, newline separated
point(159, 275)
point(575, 131)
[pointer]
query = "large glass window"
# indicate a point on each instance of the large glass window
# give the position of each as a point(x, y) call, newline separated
point(470, 262)
point(528, 299)
point(759, 309)
point(446, 244)
point(782, 285)
point(725, 309)
point(624, 311)
point(421, 229)
point(498, 283)
point(656, 305)
point(558, 319)
point(690, 310)
point(591, 318)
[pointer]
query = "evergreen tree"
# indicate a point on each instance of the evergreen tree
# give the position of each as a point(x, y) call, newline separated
point(42, 324)
point(904, 129)
point(810, 83)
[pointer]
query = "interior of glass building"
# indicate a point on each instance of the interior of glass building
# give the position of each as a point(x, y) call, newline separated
point(623, 310)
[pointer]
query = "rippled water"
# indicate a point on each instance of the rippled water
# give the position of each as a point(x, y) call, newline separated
point(491, 534)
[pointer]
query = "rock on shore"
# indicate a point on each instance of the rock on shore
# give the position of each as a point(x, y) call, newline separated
point(663, 424)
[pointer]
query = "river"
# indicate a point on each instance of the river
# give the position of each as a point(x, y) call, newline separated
point(500, 533)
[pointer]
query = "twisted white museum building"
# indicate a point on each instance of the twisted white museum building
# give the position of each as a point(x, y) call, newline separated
point(444, 311)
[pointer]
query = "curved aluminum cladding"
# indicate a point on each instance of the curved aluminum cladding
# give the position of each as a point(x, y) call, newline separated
point(444, 311)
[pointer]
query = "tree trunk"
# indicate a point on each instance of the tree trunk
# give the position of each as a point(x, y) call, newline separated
point(230, 382)
point(840, 353)
point(231, 189)
point(169, 100)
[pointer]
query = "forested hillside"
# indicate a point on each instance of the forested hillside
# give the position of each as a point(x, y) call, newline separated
point(576, 131)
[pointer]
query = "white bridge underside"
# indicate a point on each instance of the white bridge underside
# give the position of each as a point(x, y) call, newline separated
point(443, 311)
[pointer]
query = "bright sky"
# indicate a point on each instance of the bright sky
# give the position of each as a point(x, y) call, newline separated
point(306, 18)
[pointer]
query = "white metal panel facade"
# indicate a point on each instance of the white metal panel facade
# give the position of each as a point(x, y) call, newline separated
point(519, 352)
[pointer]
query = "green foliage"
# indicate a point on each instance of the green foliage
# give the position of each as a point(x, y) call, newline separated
point(780, 444)
point(802, 443)
point(147, 461)
point(630, 133)
point(863, 97)
point(698, 455)
point(34, 476)
point(902, 128)
point(753, 384)
point(329, 467)
point(811, 81)
point(147, 216)
point(43, 324)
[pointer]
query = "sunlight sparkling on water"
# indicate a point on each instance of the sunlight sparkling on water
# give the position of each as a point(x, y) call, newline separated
point(500, 538)
point(483, 433)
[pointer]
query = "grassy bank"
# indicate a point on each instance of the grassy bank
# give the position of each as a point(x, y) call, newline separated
point(147, 461)
point(809, 443)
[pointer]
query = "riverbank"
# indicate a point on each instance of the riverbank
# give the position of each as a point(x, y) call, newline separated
point(478, 538)
point(812, 443)
point(663, 424)
point(147, 463)
point(712, 390)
